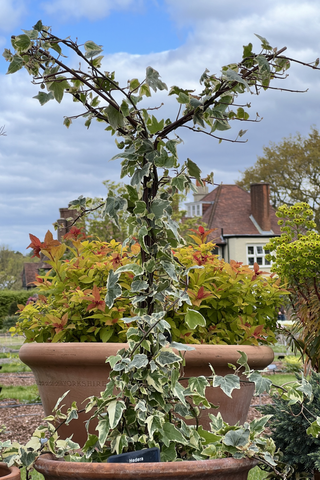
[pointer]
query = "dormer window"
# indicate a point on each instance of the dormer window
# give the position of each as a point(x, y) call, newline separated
point(194, 209)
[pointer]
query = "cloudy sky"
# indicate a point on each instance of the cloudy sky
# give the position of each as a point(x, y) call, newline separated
point(43, 165)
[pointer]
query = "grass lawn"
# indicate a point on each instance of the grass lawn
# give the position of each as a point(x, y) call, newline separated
point(23, 394)
point(281, 378)
point(8, 341)
point(34, 475)
point(16, 366)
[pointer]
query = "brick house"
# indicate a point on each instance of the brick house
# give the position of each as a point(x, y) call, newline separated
point(244, 222)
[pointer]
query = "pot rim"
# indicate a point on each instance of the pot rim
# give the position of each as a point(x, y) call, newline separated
point(141, 470)
point(84, 353)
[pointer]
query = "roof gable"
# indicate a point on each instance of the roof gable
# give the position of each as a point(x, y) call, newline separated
point(231, 212)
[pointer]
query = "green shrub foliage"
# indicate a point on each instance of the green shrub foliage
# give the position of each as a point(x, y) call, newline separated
point(8, 297)
point(289, 424)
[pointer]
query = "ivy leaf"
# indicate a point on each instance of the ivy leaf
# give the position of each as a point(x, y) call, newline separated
point(115, 409)
point(264, 42)
point(314, 428)
point(115, 117)
point(103, 428)
point(21, 43)
point(258, 424)
point(262, 384)
point(153, 80)
point(172, 434)
point(194, 170)
point(305, 388)
point(263, 63)
point(183, 98)
point(134, 84)
point(38, 26)
point(44, 97)
point(170, 270)
point(247, 50)
point(139, 174)
point(166, 357)
point(154, 424)
point(154, 126)
point(174, 227)
point(143, 232)
point(145, 90)
point(124, 108)
point(112, 206)
point(114, 290)
point(233, 76)
point(139, 361)
point(181, 346)
point(237, 438)
point(16, 64)
point(32, 34)
point(92, 49)
point(131, 267)
point(139, 285)
point(198, 384)
point(227, 383)
point(194, 319)
point(58, 87)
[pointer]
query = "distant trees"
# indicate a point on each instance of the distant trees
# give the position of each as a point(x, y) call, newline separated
point(292, 168)
point(11, 266)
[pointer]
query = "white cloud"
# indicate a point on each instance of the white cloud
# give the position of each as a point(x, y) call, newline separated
point(91, 10)
point(11, 13)
point(43, 165)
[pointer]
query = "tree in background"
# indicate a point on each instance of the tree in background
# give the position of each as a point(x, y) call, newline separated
point(292, 168)
point(98, 224)
point(11, 265)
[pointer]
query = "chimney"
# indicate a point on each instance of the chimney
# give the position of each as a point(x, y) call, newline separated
point(260, 205)
point(201, 191)
point(64, 224)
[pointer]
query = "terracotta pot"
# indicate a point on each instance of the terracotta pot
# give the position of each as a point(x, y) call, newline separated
point(81, 368)
point(221, 469)
point(9, 473)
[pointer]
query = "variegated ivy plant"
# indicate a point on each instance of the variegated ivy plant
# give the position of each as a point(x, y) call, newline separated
point(151, 402)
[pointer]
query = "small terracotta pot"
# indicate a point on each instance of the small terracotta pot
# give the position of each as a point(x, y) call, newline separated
point(81, 368)
point(221, 469)
point(9, 473)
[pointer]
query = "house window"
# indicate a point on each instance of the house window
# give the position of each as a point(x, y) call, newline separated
point(198, 210)
point(256, 253)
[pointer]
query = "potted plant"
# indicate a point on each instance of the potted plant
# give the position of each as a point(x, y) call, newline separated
point(70, 307)
point(144, 404)
point(148, 149)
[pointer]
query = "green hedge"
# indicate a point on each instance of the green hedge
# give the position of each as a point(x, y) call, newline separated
point(7, 297)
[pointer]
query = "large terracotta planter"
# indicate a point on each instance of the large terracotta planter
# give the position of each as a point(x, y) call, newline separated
point(81, 368)
point(9, 473)
point(221, 469)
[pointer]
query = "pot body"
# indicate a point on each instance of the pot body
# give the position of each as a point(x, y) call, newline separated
point(81, 368)
point(221, 469)
point(9, 473)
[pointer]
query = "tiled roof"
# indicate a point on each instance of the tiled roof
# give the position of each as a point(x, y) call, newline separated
point(231, 212)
